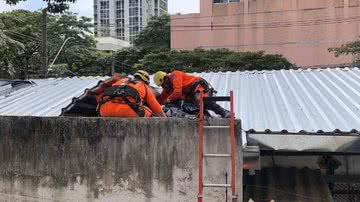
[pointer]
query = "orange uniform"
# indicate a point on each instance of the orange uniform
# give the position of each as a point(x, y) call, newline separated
point(117, 107)
point(181, 86)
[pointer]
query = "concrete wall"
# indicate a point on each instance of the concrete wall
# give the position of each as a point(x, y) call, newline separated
point(301, 30)
point(93, 159)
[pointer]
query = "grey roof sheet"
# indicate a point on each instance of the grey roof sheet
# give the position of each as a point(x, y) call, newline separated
point(45, 98)
point(292, 100)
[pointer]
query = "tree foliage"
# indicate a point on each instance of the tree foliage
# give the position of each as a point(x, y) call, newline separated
point(200, 60)
point(126, 58)
point(156, 34)
point(54, 6)
point(352, 48)
point(79, 52)
point(9, 48)
point(24, 27)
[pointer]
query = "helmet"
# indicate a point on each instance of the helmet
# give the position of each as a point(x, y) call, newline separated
point(143, 75)
point(159, 78)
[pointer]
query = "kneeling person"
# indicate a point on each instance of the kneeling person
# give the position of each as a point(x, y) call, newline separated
point(181, 86)
point(130, 98)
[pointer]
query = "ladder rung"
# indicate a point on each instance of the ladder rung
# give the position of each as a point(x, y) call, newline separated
point(217, 185)
point(217, 155)
point(216, 127)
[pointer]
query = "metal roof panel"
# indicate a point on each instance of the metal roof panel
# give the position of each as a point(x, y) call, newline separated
point(47, 97)
point(292, 100)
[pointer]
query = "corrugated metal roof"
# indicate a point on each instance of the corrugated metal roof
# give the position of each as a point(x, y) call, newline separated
point(46, 97)
point(293, 100)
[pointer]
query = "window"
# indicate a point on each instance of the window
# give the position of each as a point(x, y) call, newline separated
point(120, 33)
point(105, 27)
point(104, 14)
point(104, 22)
point(134, 30)
point(104, 5)
point(134, 21)
point(134, 3)
point(120, 14)
point(133, 11)
point(120, 5)
point(120, 23)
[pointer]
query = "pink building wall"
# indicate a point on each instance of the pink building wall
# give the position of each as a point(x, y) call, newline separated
point(301, 30)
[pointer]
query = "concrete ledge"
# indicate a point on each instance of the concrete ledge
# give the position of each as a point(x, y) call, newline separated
point(96, 159)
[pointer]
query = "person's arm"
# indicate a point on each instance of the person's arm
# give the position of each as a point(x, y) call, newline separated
point(177, 88)
point(153, 103)
point(105, 84)
point(163, 96)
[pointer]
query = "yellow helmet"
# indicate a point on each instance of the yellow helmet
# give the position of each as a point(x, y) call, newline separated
point(143, 75)
point(159, 78)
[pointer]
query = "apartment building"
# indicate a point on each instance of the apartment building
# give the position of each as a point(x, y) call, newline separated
point(301, 30)
point(124, 19)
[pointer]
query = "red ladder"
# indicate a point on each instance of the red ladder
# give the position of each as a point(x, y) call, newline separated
point(232, 139)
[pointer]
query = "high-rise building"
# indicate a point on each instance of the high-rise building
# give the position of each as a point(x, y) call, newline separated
point(124, 19)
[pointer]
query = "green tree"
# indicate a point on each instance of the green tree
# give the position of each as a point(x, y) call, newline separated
point(200, 60)
point(126, 58)
point(352, 48)
point(9, 49)
point(54, 6)
point(156, 34)
point(104, 62)
point(23, 26)
point(79, 52)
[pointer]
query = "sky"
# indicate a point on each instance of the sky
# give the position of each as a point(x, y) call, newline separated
point(85, 7)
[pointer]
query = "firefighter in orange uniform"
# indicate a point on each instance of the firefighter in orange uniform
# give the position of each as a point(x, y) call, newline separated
point(181, 86)
point(127, 97)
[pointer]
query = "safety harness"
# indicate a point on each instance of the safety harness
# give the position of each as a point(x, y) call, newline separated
point(125, 92)
point(207, 87)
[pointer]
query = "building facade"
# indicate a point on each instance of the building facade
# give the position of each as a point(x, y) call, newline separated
point(124, 19)
point(301, 30)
